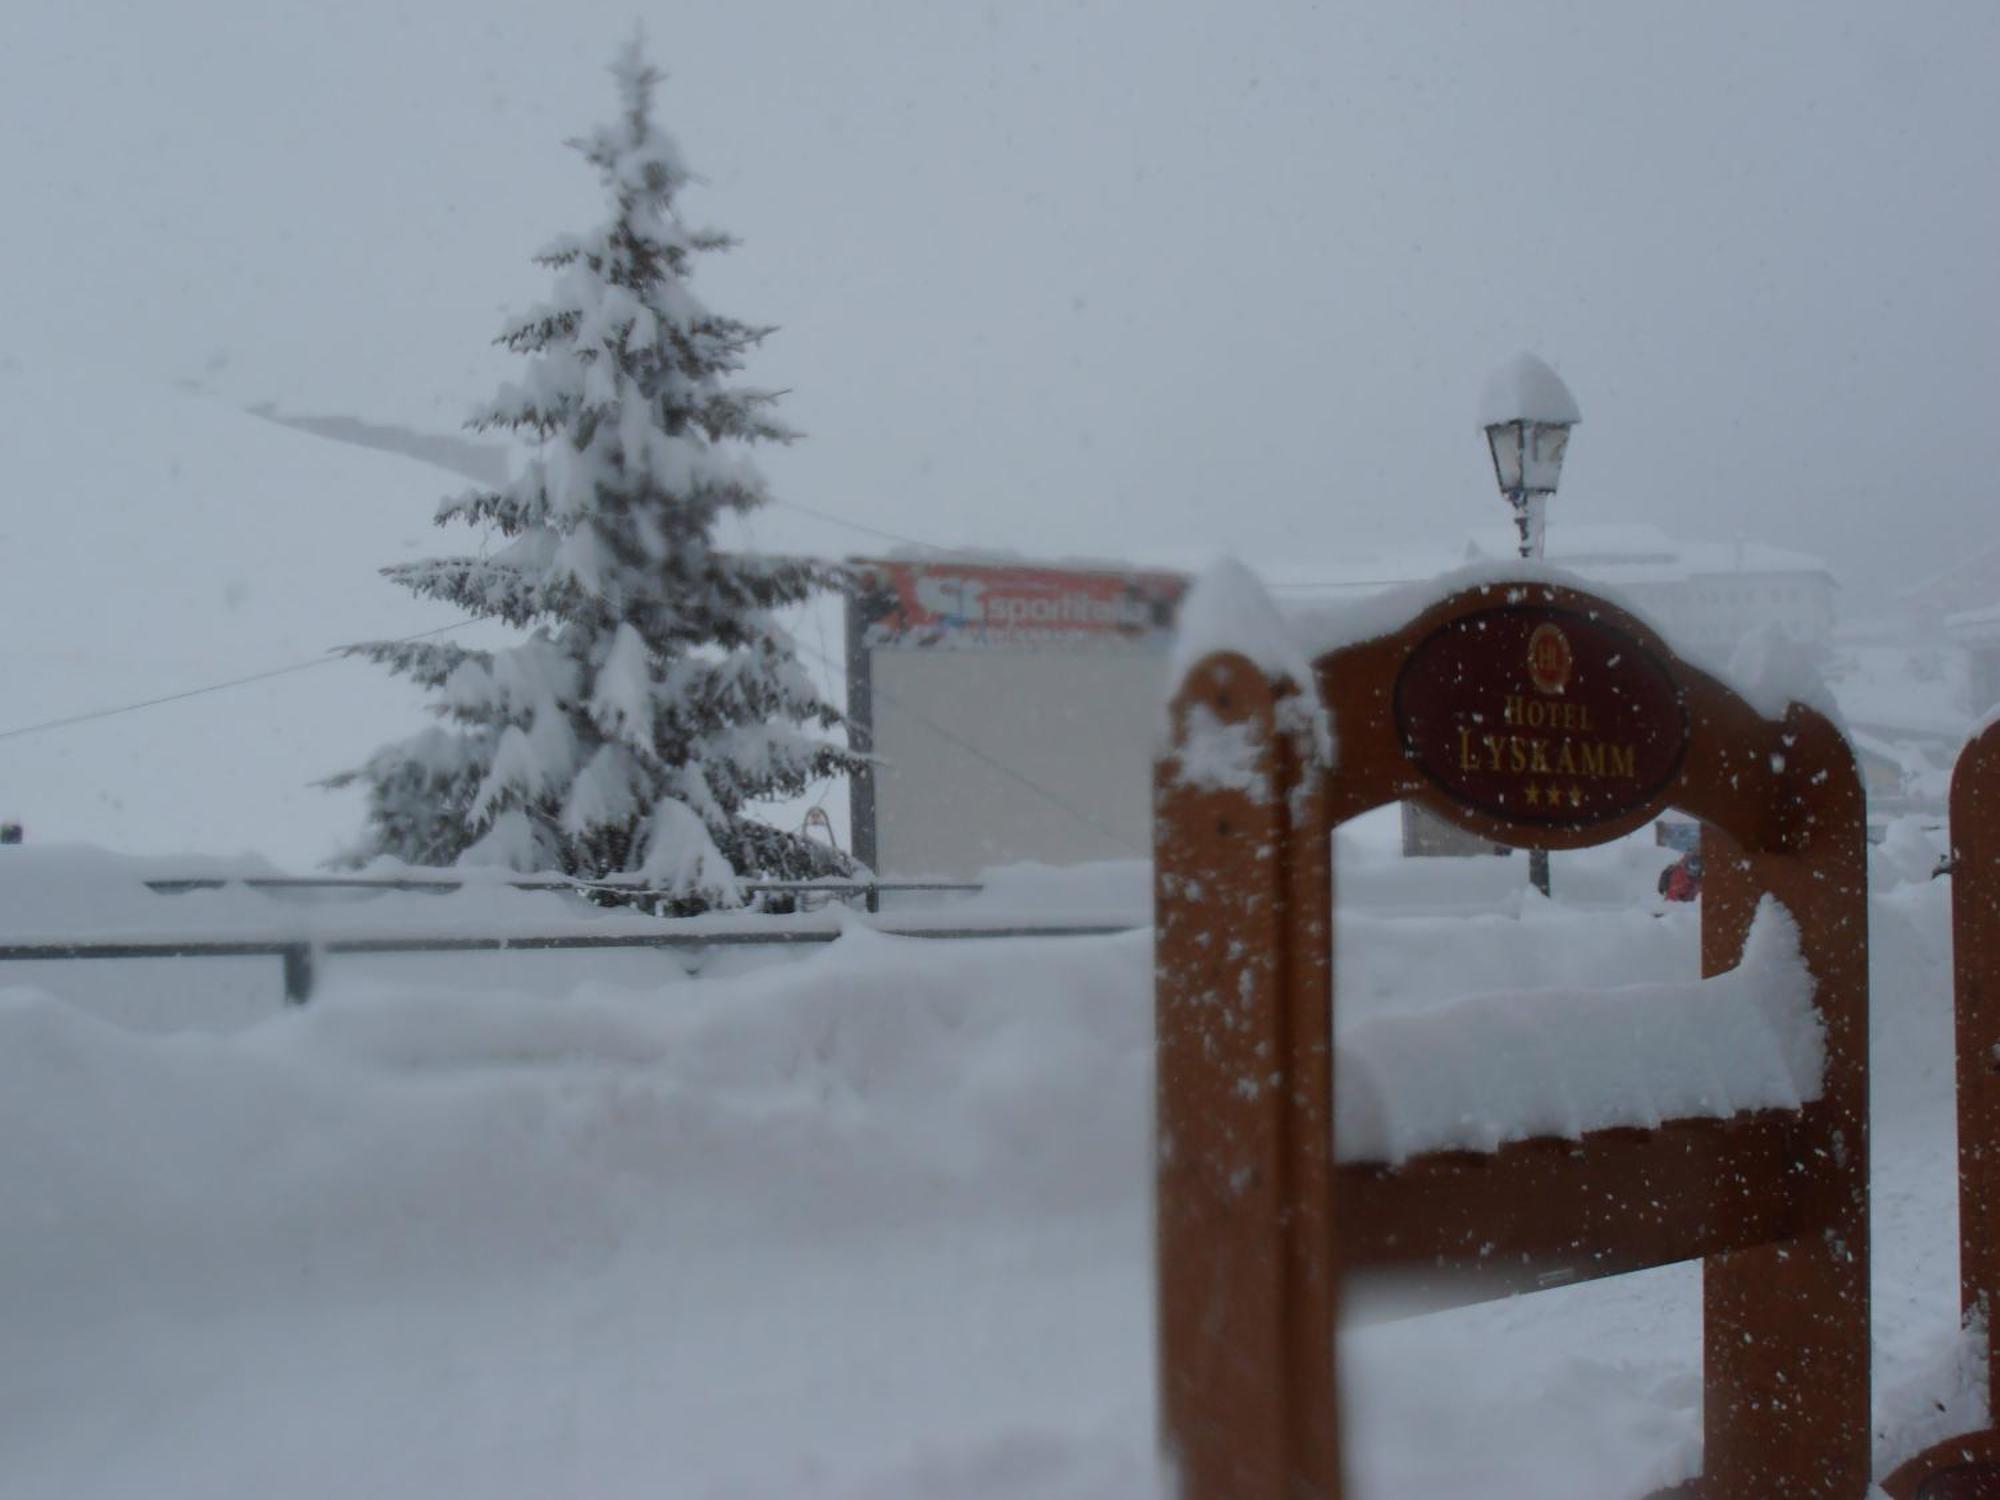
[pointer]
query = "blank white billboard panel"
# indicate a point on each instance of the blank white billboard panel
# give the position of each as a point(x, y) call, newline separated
point(1007, 756)
point(1013, 712)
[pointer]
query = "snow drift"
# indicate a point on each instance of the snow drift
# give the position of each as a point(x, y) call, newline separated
point(871, 1224)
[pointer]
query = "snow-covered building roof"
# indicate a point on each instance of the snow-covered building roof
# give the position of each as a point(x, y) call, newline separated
point(1638, 552)
point(1614, 553)
point(1975, 626)
point(1628, 552)
point(1902, 695)
point(1969, 586)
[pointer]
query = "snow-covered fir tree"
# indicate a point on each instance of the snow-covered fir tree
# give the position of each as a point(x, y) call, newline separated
point(656, 697)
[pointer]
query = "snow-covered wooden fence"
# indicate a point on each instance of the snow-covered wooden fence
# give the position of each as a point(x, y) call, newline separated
point(1534, 715)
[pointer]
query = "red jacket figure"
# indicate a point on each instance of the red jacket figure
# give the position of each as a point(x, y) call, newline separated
point(1681, 881)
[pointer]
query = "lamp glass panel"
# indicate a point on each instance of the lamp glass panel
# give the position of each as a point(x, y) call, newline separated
point(1543, 462)
point(1507, 440)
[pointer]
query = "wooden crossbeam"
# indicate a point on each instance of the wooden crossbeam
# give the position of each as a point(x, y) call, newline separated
point(1546, 1212)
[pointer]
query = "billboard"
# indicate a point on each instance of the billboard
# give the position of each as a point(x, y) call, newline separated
point(995, 606)
point(1012, 709)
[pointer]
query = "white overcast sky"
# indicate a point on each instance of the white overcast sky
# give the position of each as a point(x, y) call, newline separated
point(1143, 278)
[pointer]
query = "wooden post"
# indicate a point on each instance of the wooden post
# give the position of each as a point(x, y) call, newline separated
point(1312, 1255)
point(1967, 1467)
point(1785, 1324)
point(1245, 1326)
point(1975, 930)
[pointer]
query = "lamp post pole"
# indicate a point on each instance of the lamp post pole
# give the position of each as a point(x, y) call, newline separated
point(1527, 413)
point(1528, 518)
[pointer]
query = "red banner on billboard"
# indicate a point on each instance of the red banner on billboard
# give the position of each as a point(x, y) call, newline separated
point(947, 606)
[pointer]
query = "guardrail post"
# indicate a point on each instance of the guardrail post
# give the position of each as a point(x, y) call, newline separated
point(298, 973)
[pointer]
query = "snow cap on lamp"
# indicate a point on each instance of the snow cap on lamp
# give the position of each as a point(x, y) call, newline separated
point(1527, 412)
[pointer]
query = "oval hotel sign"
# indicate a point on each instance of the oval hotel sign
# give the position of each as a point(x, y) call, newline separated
point(1541, 716)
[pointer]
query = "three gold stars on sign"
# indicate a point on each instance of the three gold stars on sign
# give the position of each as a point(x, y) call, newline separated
point(1554, 795)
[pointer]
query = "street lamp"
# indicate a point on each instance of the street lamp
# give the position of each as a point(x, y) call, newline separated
point(1527, 412)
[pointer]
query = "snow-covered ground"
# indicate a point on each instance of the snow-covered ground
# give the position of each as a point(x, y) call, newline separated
point(871, 1222)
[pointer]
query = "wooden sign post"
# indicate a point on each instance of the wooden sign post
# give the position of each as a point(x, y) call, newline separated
point(1968, 1467)
point(1531, 715)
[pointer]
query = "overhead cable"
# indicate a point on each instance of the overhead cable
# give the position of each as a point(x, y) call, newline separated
point(213, 687)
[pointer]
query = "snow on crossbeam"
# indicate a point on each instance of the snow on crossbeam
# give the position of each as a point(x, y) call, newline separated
point(1516, 1065)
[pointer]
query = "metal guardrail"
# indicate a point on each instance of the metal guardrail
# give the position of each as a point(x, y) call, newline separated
point(870, 890)
point(300, 954)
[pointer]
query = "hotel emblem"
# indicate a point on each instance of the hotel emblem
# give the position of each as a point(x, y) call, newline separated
point(1549, 658)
